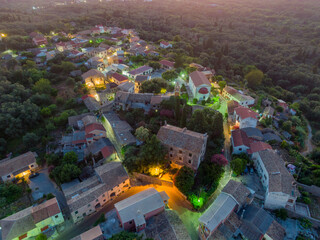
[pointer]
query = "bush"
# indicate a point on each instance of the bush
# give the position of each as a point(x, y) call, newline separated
point(101, 219)
point(185, 179)
point(195, 101)
point(281, 213)
point(238, 165)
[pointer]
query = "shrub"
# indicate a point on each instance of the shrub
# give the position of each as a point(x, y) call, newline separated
point(281, 213)
point(101, 219)
point(195, 101)
point(238, 165)
point(184, 179)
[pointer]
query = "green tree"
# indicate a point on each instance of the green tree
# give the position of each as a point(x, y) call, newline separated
point(287, 126)
point(142, 133)
point(254, 78)
point(177, 38)
point(42, 86)
point(238, 165)
point(222, 84)
point(169, 75)
point(177, 110)
point(70, 157)
point(126, 236)
point(183, 120)
point(185, 180)
point(155, 65)
point(30, 140)
point(41, 236)
point(69, 172)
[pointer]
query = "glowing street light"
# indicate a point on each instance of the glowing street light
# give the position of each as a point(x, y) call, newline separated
point(3, 35)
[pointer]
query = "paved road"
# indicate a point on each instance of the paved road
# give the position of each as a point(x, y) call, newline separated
point(308, 143)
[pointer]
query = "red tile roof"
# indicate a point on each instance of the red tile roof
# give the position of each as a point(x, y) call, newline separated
point(119, 77)
point(244, 113)
point(231, 106)
point(198, 78)
point(240, 138)
point(258, 146)
point(94, 126)
point(203, 90)
point(167, 63)
point(45, 210)
point(107, 151)
point(165, 43)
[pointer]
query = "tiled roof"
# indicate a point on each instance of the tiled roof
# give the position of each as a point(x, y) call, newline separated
point(45, 210)
point(91, 73)
point(253, 133)
point(237, 190)
point(230, 90)
point(182, 138)
point(165, 43)
point(167, 63)
point(231, 106)
point(98, 146)
point(258, 146)
point(140, 70)
point(280, 180)
point(240, 138)
point(244, 113)
point(126, 86)
point(107, 151)
point(119, 77)
point(16, 164)
point(112, 174)
point(94, 126)
point(198, 78)
point(92, 234)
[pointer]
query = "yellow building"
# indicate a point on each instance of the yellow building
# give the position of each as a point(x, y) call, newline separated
point(93, 78)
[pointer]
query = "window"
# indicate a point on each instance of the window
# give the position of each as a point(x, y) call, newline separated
point(56, 216)
point(240, 149)
point(89, 205)
point(180, 151)
point(130, 222)
point(31, 165)
point(97, 200)
point(124, 182)
point(190, 154)
point(180, 158)
point(104, 200)
point(171, 155)
point(76, 212)
point(171, 149)
point(8, 176)
point(189, 161)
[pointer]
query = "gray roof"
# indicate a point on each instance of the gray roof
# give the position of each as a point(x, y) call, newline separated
point(17, 164)
point(112, 174)
point(218, 211)
point(238, 191)
point(97, 146)
point(182, 138)
point(270, 137)
point(280, 180)
point(134, 207)
point(73, 120)
point(126, 86)
point(92, 104)
point(253, 133)
point(78, 188)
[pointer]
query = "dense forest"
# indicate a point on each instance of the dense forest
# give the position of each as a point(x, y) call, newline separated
point(279, 37)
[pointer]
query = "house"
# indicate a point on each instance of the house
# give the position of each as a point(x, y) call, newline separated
point(280, 186)
point(94, 132)
point(232, 198)
point(245, 117)
point(91, 103)
point(231, 105)
point(293, 112)
point(50, 55)
point(30, 222)
point(39, 40)
point(165, 64)
point(283, 104)
point(253, 133)
point(199, 85)
point(96, 63)
point(185, 147)
point(267, 137)
point(165, 45)
point(87, 197)
point(92, 234)
point(268, 112)
point(209, 73)
point(118, 78)
point(93, 78)
point(126, 87)
point(233, 94)
point(133, 212)
point(78, 122)
point(242, 143)
point(104, 147)
point(118, 131)
point(144, 70)
point(138, 82)
point(18, 167)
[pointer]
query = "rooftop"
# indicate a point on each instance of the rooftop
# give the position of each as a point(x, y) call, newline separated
point(198, 78)
point(92, 234)
point(92, 73)
point(167, 63)
point(119, 77)
point(244, 113)
point(140, 70)
point(238, 191)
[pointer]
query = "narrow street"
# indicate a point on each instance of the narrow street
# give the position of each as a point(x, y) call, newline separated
point(308, 143)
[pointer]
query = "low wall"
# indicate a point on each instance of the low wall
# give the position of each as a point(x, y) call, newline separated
point(292, 214)
point(314, 190)
point(152, 180)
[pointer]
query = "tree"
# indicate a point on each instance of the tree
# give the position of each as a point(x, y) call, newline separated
point(3, 147)
point(142, 133)
point(179, 61)
point(124, 235)
point(177, 38)
point(30, 140)
point(154, 86)
point(281, 213)
point(41, 236)
point(153, 152)
point(177, 110)
point(183, 120)
point(169, 75)
point(42, 86)
point(222, 84)
point(287, 126)
point(70, 157)
point(219, 159)
point(184, 179)
point(69, 172)
point(254, 78)
point(155, 65)
point(238, 165)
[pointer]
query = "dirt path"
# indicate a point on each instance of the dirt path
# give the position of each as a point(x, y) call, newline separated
point(309, 146)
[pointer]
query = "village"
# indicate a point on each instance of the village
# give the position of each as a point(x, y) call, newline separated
point(161, 149)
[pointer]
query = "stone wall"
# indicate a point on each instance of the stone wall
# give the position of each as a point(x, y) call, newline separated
point(152, 180)
point(314, 190)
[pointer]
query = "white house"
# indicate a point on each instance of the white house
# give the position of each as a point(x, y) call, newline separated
point(240, 142)
point(280, 186)
point(233, 94)
point(165, 45)
point(199, 85)
point(245, 117)
point(144, 70)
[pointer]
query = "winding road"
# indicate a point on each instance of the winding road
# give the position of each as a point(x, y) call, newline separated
point(308, 144)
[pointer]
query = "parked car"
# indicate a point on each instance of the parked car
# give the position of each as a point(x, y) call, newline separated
point(33, 175)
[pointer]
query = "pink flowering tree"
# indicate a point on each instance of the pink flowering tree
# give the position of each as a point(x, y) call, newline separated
point(219, 159)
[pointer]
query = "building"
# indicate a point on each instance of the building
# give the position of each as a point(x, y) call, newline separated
point(268, 112)
point(138, 82)
point(87, 197)
point(185, 147)
point(283, 104)
point(233, 94)
point(18, 167)
point(93, 78)
point(135, 210)
point(165, 45)
point(94, 132)
point(92, 234)
point(199, 85)
point(32, 221)
point(50, 55)
point(144, 70)
point(39, 40)
point(245, 117)
point(127, 87)
point(118, 78)
point(165, 64)
point(280, 186)
point(232, 198)
point(118, 131)
point(104, 147)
